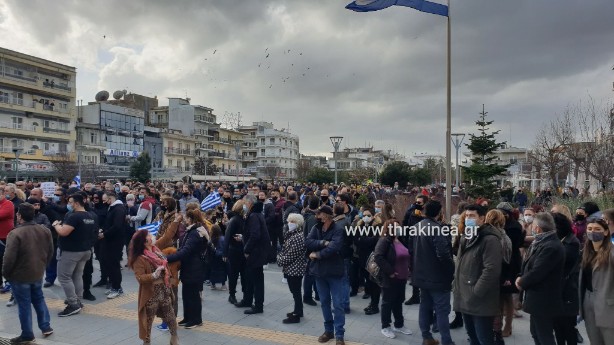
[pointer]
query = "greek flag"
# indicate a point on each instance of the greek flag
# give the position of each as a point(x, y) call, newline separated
point(152, 228)
point(434, 7)
point(77, 179)
point(211, 201)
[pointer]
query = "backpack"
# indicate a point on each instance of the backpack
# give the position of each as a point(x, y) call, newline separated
point(375, 273)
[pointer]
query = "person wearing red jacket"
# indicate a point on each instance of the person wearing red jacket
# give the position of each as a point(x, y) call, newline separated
point(7, 223)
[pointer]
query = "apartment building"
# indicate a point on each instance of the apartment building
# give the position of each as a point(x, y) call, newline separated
point(37, 113)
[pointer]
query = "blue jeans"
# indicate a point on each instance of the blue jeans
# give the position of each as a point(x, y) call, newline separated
point(334, 288)
point(479, 329)
point(26, 294)
point(346, 282)
point(439, 302)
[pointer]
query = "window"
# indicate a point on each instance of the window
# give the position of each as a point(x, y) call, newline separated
point(272, 141)
point(63, 147)
point(262, 152)
point(47, 146)
point(262, 141)
point(170, 162)
point(18, 72)
point(63, 106)
point(93, 138)
point(18, 98)
point(17, 122)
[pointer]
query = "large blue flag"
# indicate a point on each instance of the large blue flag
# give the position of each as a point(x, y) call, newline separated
point(77, 180)
point(152, 228)
point(433, 6)
point(212, 200)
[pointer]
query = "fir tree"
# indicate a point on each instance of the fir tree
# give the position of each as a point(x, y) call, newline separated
point(483, 170)
point(141, 168)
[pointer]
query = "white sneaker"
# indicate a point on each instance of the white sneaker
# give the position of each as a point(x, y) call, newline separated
point(11, 302)
point(114, 294)
point(108, 292)
point(387, 332)
point(284, 281)
point(403, 330)
point(265, 267)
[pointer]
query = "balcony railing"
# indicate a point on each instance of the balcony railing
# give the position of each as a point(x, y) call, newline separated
point(19, 126)
point(23, 152)
point(201, 118)
point(177, 151)
point(53, 85)
point(219, 155)
point(55, 130)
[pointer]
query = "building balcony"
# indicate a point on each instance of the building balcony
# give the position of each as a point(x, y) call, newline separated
point(204, 119)
point(219, 155)
point(8, 128)
point(38, 82)
point(17, 104)
point(7, 153)
point(205, 148)
point(177, 151)
point(222, 141)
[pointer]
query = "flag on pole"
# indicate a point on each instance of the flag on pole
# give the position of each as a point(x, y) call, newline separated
point(152, 228)
point(77, 179)
point(433, 6)
point(211, 201)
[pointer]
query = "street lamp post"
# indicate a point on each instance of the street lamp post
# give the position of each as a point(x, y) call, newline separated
point(153, 160)
point(458, 141)
point(336, 144)
point(17, 152)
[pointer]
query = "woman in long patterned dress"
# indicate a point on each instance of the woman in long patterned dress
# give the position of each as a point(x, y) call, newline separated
point(155, 294)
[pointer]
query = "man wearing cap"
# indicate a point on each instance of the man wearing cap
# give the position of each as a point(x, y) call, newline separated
point(324, 244)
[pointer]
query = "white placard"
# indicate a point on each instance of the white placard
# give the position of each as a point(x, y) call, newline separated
point(48, 189)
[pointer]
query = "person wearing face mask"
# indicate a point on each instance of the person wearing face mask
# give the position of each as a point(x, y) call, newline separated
point(131, 211)
point(186, 197)
point(269, 217)
point(101, 210)
point(597, 283)
point(309, 214)
point(392, 257)
point(365, 245)
point(233, 251)
point(146, 211)
point(75, 244)
point(325, 197)
point(541, 279)
point(565, 323)
point(579, 224)
point(112, 237)
point(292, 260)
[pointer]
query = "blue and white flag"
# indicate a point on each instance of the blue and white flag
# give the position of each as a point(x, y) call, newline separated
point(433, 6)
point(212, 200)
point(152, 228)
point(77, 179)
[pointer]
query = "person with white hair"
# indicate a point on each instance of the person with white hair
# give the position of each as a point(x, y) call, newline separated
point(293, 261)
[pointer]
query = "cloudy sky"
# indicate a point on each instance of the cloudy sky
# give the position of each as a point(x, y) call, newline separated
point(375, 78)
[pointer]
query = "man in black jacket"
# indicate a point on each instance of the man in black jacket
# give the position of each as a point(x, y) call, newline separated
point(112, 237)
point(269, 218)
point(541, 279)
point(310, 221)
point(256, 249)
point(433, 274)
point(413, 216)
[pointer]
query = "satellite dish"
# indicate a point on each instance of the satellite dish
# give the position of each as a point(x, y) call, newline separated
point(118, 94)
point(102, 96)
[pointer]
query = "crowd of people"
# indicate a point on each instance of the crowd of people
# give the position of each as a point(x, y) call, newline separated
point(555, 266)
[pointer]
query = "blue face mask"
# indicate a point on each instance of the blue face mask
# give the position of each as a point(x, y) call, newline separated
point(70, 208)
point(471, 223)
point(359, 214)
point(116, 189)
point(141, 197)
point(378, 210)
point(7, 196)
point(245, 209)
point(55, 198)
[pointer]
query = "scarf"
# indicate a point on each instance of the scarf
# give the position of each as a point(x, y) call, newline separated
point(157, 259)
point(539, 238)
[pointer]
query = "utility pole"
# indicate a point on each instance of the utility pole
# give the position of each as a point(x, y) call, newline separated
point(458, 141)
point(336, 144)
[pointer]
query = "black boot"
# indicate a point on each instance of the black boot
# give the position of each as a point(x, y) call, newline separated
point(243, 304)
point(457, 322)
point(292, 319)
point(371, 310)
point(413, 300)
point(232, 299)
point(499, 338)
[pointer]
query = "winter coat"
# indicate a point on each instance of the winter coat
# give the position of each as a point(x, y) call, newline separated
point(292, 258)
point(7, 218)
point(256, 238)
point(542, 275)
point(603, 278)
point(329, 262)
point(476, 287)
point(310, 221)
point(29, 249)
point(433, 266)
point(571, 271)
point(218, 269)
point(385, 258)
point(510, 271)
point(115, 224)
point(233, 248)
point(191, 246)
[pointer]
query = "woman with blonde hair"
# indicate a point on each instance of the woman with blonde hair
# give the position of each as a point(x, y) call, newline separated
point(562, 209)
point(597, 283)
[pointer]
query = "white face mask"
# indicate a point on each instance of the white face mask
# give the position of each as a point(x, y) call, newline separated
point(292, 226)
point(528, 219)
point(366, 219)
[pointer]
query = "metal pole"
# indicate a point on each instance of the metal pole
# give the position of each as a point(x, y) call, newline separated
point(449, 124)
point(16, 168)
point(457, 144)
point(336, 165)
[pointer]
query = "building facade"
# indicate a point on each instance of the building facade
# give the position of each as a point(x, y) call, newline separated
point(270, 153)
point(37, 114)
point(227, 150)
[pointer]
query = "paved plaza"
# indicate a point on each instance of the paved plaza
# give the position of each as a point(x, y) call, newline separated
point(106, 322)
